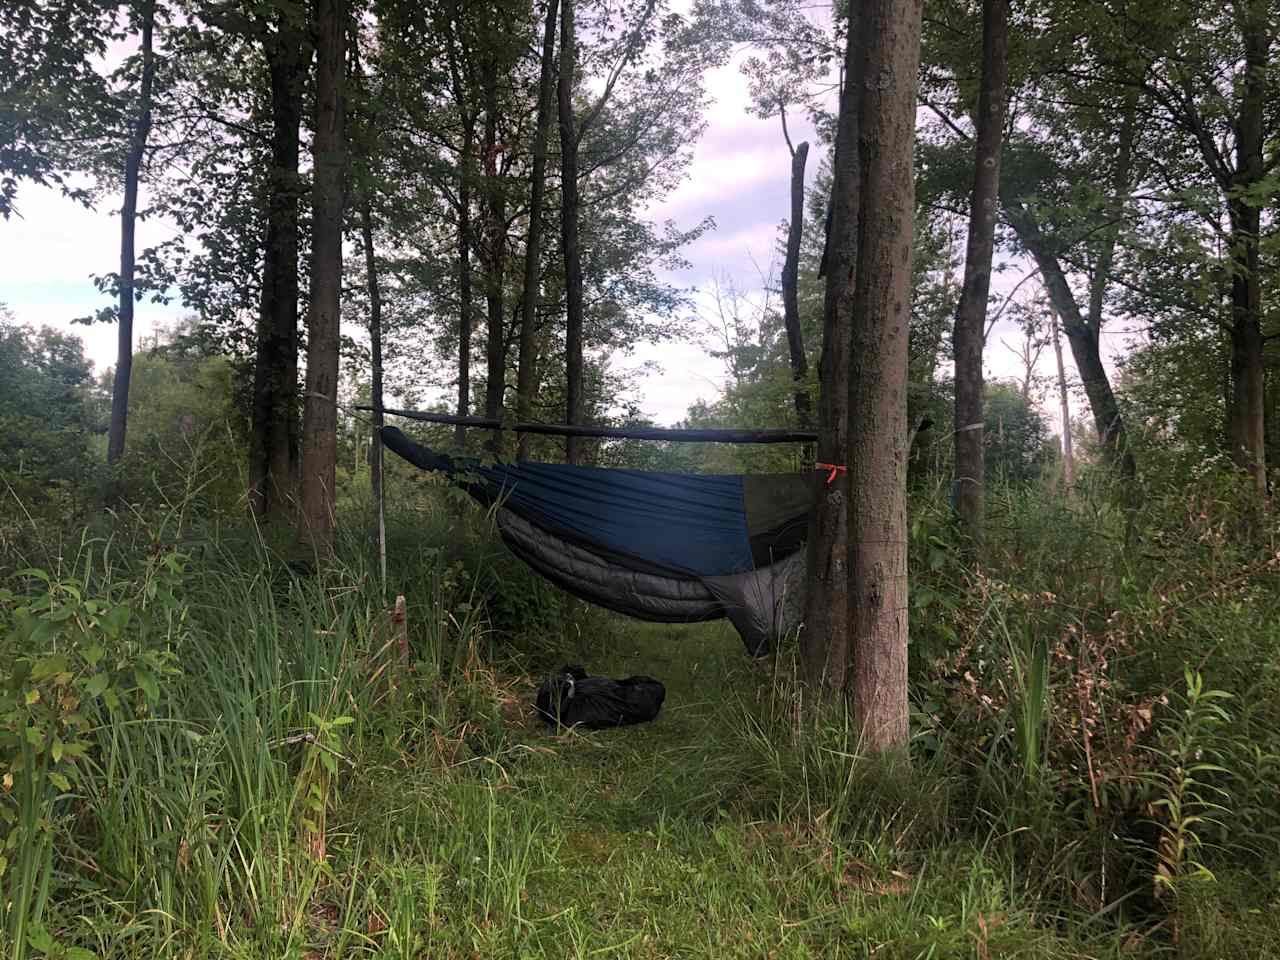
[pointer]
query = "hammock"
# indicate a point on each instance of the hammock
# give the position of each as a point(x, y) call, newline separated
point(662, 547)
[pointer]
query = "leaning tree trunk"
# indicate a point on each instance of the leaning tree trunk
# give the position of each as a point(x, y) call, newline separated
point(274, 431)
point(824, 641)
point(791, 286)
point(569, 229)
point(526, 373)
point(128, 226)
point(971, 314)
point(320, 411)
point(878, 437)
point(1081, 337)
point(494, 253)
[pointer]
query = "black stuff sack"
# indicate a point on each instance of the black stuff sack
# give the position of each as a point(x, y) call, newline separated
point(571, 698)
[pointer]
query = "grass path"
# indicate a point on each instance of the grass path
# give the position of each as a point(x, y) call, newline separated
point(653, 841)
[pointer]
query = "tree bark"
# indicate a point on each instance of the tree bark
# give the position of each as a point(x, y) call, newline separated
point(1082, 338)
point(465, 311)
point(320, 412)
point(494, 250)
point(1065, 406)
point(877, 406)
point(128, 225)
point(273, 450)
point(791, 286)
point(526, 373)
point(569, 228)
point(824, 641)
point(1248, 413)
point(971, 314)
point(375, 350)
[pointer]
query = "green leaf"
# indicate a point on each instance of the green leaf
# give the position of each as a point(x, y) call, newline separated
point(148, 684)
point(46, 667)
point(96, 685)
point(38, 938)
point(59, 781)
point(116, 619)
point(56, 750)
point(93, 653)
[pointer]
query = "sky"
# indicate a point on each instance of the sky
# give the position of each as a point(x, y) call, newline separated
point(740, 176)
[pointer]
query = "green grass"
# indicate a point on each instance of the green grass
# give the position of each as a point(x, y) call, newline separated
point(291, 790)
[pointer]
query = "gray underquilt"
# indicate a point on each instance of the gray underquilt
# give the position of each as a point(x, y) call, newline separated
point(763, 604)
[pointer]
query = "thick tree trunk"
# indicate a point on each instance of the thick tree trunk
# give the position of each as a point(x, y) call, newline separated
point(824, 642)
point(320, 412)
point(466, 319)
point(1083, 340)
point(569, 228)
point(1248, 404)
point(791, 287)
point(526, 372)
point(878, 438)
point(375, 349)
point(128, 225)
point(274, 438)
point(1068, 454)
point(971, 314)
point(494, 252)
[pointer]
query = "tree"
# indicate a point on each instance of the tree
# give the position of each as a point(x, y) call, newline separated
point(971, 314)
point(320, 412)
point(877, 387)
point(274, 440)
point(856, 614)
point(791, 282)
point(525, 370)
point(570, 132)
point(141, 127)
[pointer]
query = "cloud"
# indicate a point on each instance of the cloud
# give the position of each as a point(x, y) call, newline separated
point(50, 249)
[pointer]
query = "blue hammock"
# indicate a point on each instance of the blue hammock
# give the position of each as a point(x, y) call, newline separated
point(666, 547)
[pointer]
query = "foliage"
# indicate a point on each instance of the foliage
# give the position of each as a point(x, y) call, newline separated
point(47, 417)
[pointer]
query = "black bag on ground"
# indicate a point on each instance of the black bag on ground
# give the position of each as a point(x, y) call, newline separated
point(571, 698)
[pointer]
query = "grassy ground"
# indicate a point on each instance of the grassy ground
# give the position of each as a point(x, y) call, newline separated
point(208, 760)
point(651, 841)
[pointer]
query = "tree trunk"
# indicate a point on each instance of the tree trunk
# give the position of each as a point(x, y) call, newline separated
point(128, 224)
point(274, 439)
point(824, 642)
point(465, 318)
point(528, 361)
point(1248, 416)
point(320, 412)
point(791, 286)
point(494, 251)
point(878, 436)
point(569, 228)
point(1068, 454)
point(1083, 340)
point(971, 314)
point(375, 349)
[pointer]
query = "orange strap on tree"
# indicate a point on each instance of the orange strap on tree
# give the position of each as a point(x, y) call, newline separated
point(835, 468)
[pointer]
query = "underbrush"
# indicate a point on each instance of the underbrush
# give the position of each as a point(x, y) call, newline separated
point(213, 745)
point(1096, 711)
